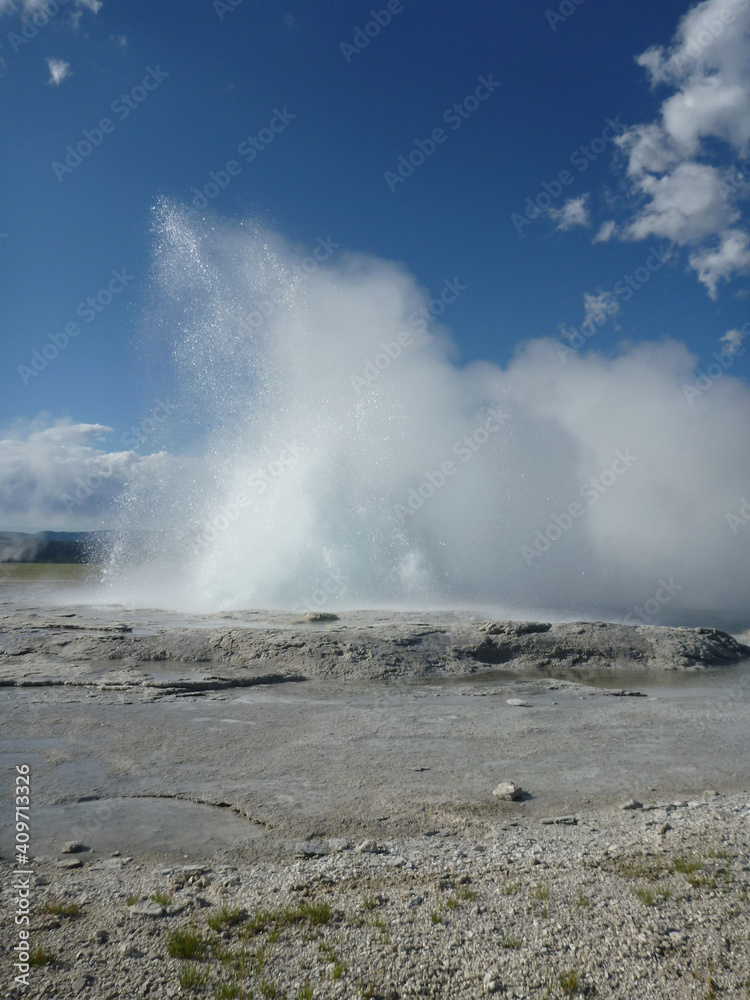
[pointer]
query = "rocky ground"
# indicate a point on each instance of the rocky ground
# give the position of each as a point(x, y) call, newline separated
point(275, 807)
point(647, 902)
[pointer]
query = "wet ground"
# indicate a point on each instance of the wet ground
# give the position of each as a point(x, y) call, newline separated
point(257, 768)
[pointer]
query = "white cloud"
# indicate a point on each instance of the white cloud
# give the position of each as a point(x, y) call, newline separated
point(722, 262)
point(606, 231)
point(58, 70)
point(28, 7)
point(682, 166)
point(120, 41)
point(60, 475)
point(573, 213)
point(732, 340)
point(599, 308)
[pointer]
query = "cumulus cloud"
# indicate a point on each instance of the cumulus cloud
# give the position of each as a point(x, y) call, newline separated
point(681, 169)
point(120, 41)
point(58, 71)
point(59, 475)
point(573, 213)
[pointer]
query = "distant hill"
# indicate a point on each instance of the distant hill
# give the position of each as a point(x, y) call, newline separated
point(50, 546)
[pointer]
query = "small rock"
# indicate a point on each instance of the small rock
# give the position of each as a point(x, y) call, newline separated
point(518, 703)
point(70, 863)
point(491, 983)
point(338, 844)
point(508, 791)
point(146, 909)
point(367, 847)
point(319, 616)
point(416, 901)
point(101, 936)
point(664, 828)
point(72, 847)
point(559, 821)
point(80, 984)
point(129, 950)
point(313, 848)
point(632, 804)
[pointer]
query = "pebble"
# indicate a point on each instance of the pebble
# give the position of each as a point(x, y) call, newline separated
point(508, 791)
point(72, 847)
point(518, 703)
point(632, 804)
point(559, 821)
point(146, 909)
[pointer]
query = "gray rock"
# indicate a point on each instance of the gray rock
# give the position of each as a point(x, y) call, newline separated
point(313, 848)
point(508, 791)
point(559, 821)
point(632, 804)
point(72, 847)
point(70, 863)
point(148, 908)
point(518, 703)
point(129, 950)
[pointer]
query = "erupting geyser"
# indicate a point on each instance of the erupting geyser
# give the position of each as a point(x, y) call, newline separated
point(335, 453)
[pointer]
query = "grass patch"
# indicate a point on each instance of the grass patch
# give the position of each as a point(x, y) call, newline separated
point(162, 898)
point(583, 902)
point(305, 992)
point(646, 896)
point(269, 990)
point(227, 991)
point(192, 979)
point(686, 866)
point(511, 889)
point(226, 917)
point(569, 983)
point(511, 943)
point(452, 904)
point(41, 956)
point(314, 914)
point(540, 892)
point(435, 917)
point(369, 902)
point(131, 900)
point(57, 908)
point(465, 893)
point(186, 943)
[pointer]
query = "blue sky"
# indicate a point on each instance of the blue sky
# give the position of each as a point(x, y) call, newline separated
point(182, 85)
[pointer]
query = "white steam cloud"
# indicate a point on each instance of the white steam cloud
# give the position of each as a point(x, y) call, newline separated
point(345, 459)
